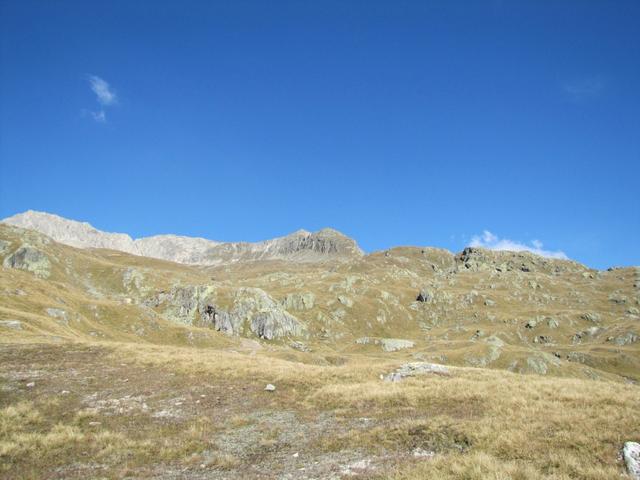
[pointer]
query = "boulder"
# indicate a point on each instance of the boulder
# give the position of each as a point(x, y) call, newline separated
point(416, 368)
point(388, 344)
point(626, 339)
point(346, 301)
point(631, 454)
point(425, 295)
point(591, 317)
point(30, 259)
point(395, 344)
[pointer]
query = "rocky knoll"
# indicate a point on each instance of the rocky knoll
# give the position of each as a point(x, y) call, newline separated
point(300, 246)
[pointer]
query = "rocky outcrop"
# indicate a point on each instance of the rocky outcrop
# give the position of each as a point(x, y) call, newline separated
point(480, 259)
point(301, 246)
point(252, 310)
point(30, 259)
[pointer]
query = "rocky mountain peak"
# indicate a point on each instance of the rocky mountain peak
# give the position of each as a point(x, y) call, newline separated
point(300, 246)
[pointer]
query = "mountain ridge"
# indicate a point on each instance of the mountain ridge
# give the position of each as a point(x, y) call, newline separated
point(301, 245)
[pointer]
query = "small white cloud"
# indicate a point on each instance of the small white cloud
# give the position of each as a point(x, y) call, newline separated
point(584, 88)
point(102, 89)
point(99, 116)
point(493, 242)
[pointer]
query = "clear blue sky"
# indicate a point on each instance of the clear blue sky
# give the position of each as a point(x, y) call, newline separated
point(398, 123)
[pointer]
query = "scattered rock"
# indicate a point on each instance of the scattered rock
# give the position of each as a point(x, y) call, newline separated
point(346, 301)
point(631, 454)
point(303, 347)
point(57, 313)
point(626, 339)
point(422, 453)
point(618, 298)
point(356, 468)
point(12, 324)
point(591, 317)
point(477, 335)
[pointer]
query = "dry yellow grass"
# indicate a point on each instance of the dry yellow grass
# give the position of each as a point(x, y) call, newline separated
point(147, 397)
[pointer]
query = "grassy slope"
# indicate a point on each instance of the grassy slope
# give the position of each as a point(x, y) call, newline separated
point(207, 414)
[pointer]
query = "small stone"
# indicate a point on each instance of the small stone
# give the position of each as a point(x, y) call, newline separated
point(64, 392)
point(296, 455)
point(95, 424)
point(13, 324)
point(270, 388)
point(422, 453)
point(31, 384)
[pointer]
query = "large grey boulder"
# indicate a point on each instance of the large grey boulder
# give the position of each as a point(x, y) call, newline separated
point(395, 344)
point(30, 259)
point(387, 344)
point(631, 454)
point(416, 368)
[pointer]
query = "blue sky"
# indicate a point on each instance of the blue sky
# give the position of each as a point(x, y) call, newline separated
point(398, 123)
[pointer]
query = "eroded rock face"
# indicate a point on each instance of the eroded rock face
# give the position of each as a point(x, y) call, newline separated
point(252, 310)
point(276, 324)
point(30, 259)
point(267, 318)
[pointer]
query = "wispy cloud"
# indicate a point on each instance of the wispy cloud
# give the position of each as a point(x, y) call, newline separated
point(99, 116)
point(584, 88)
point(105, 95)
point(493, 242)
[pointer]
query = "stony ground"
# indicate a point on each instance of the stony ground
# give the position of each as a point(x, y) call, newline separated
point(78, 410)
point(202, 427)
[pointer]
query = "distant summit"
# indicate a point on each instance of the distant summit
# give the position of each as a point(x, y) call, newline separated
point(300, 246)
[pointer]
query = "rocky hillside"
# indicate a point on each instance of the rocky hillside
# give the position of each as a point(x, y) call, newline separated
point(504, 310)
point(301, 246)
